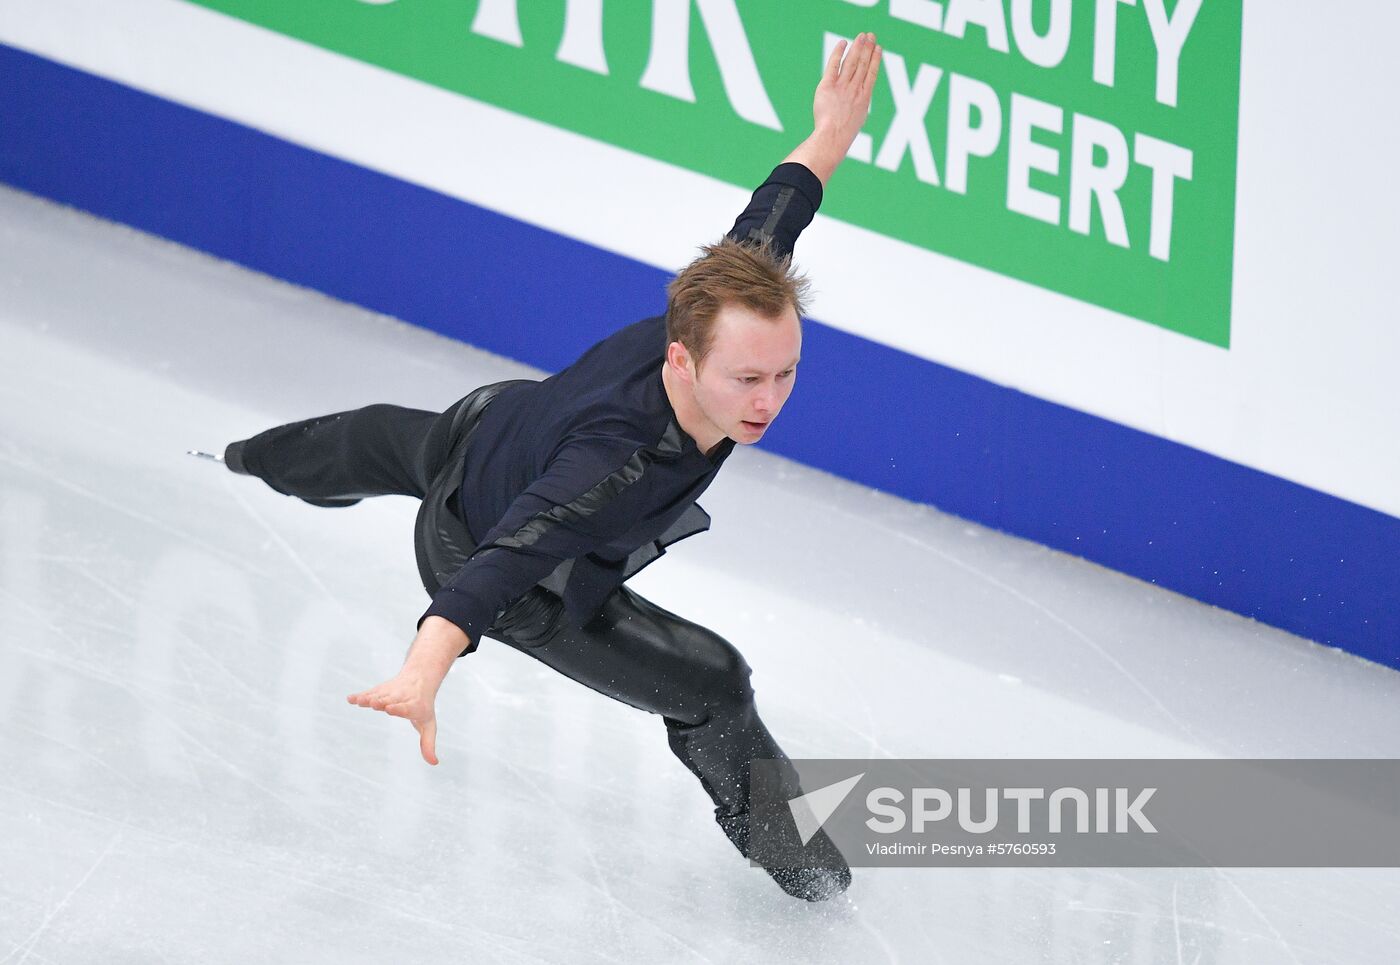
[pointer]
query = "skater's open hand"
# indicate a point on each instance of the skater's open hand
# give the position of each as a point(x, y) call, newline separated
point(411, 695)
point(840, 105)
point(842, 100)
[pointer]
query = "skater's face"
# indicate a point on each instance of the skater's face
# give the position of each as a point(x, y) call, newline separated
point(743, 383)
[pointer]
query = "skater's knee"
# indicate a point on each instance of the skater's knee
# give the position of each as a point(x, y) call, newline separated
point(725, 679)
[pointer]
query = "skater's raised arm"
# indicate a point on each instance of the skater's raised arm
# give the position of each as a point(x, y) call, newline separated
point(784, 204)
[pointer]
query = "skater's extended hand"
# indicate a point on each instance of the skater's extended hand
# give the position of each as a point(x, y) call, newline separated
point(842, 100)
point(409, 695)
point(412, 692)
point(840, 105)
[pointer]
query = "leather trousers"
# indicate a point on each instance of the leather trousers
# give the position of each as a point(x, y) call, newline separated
point(633, 651)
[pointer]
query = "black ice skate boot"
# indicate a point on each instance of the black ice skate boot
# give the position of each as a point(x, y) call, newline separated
point(821, 883)
point(233, 458)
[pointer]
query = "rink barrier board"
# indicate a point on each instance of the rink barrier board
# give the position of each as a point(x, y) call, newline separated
point(1287, 555)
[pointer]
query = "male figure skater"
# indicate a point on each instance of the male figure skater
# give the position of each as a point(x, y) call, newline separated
point(541, 498)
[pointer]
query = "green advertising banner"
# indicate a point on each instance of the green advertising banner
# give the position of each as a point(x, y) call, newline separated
point(1085, 146)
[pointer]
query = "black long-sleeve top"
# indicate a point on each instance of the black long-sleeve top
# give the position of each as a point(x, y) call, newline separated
point(578, 481)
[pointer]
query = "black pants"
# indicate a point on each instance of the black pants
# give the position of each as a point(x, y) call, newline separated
point(633, 651)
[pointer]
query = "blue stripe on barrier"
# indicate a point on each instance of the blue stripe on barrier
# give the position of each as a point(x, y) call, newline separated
point(1225, 534)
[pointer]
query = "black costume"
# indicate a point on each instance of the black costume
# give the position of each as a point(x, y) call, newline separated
point(541, 498)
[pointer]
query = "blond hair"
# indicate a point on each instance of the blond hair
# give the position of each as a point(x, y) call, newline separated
point(729, 271)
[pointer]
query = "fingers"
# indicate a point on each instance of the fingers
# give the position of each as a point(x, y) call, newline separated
point(856, 65)
point(848, 58)
point(427, 739)
point(833, 63)
point(374, 698)
point(393, 705)
point(410, 706)
point(872, 73)
point(361, 699)
point(383, 698)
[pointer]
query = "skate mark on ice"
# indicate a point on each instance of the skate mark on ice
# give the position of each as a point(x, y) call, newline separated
point(162, 525)
point(39, 615)
point(80, 752)
point(1041, 608)
point(242, 858)
point(85, 571)
point(1176, 928)
point(601, 885)
point(138, 692)
point(1153, 916)
point(890, 954)
point(301, 564)
point(297, 560)
point(1259, 912)
point(212, 754)
point(33, 939)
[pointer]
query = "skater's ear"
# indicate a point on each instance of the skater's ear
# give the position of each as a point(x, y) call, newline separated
point(682, 363)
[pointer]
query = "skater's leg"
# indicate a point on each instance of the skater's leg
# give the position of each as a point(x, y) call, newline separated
point(645, 656)
point(374, 451)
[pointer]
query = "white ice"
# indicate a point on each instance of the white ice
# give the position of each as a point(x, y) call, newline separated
point(181, 779)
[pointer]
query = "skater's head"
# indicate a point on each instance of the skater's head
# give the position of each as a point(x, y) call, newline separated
point(733, 324)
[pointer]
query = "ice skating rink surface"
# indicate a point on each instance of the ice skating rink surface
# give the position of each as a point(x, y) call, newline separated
point(181, 779)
